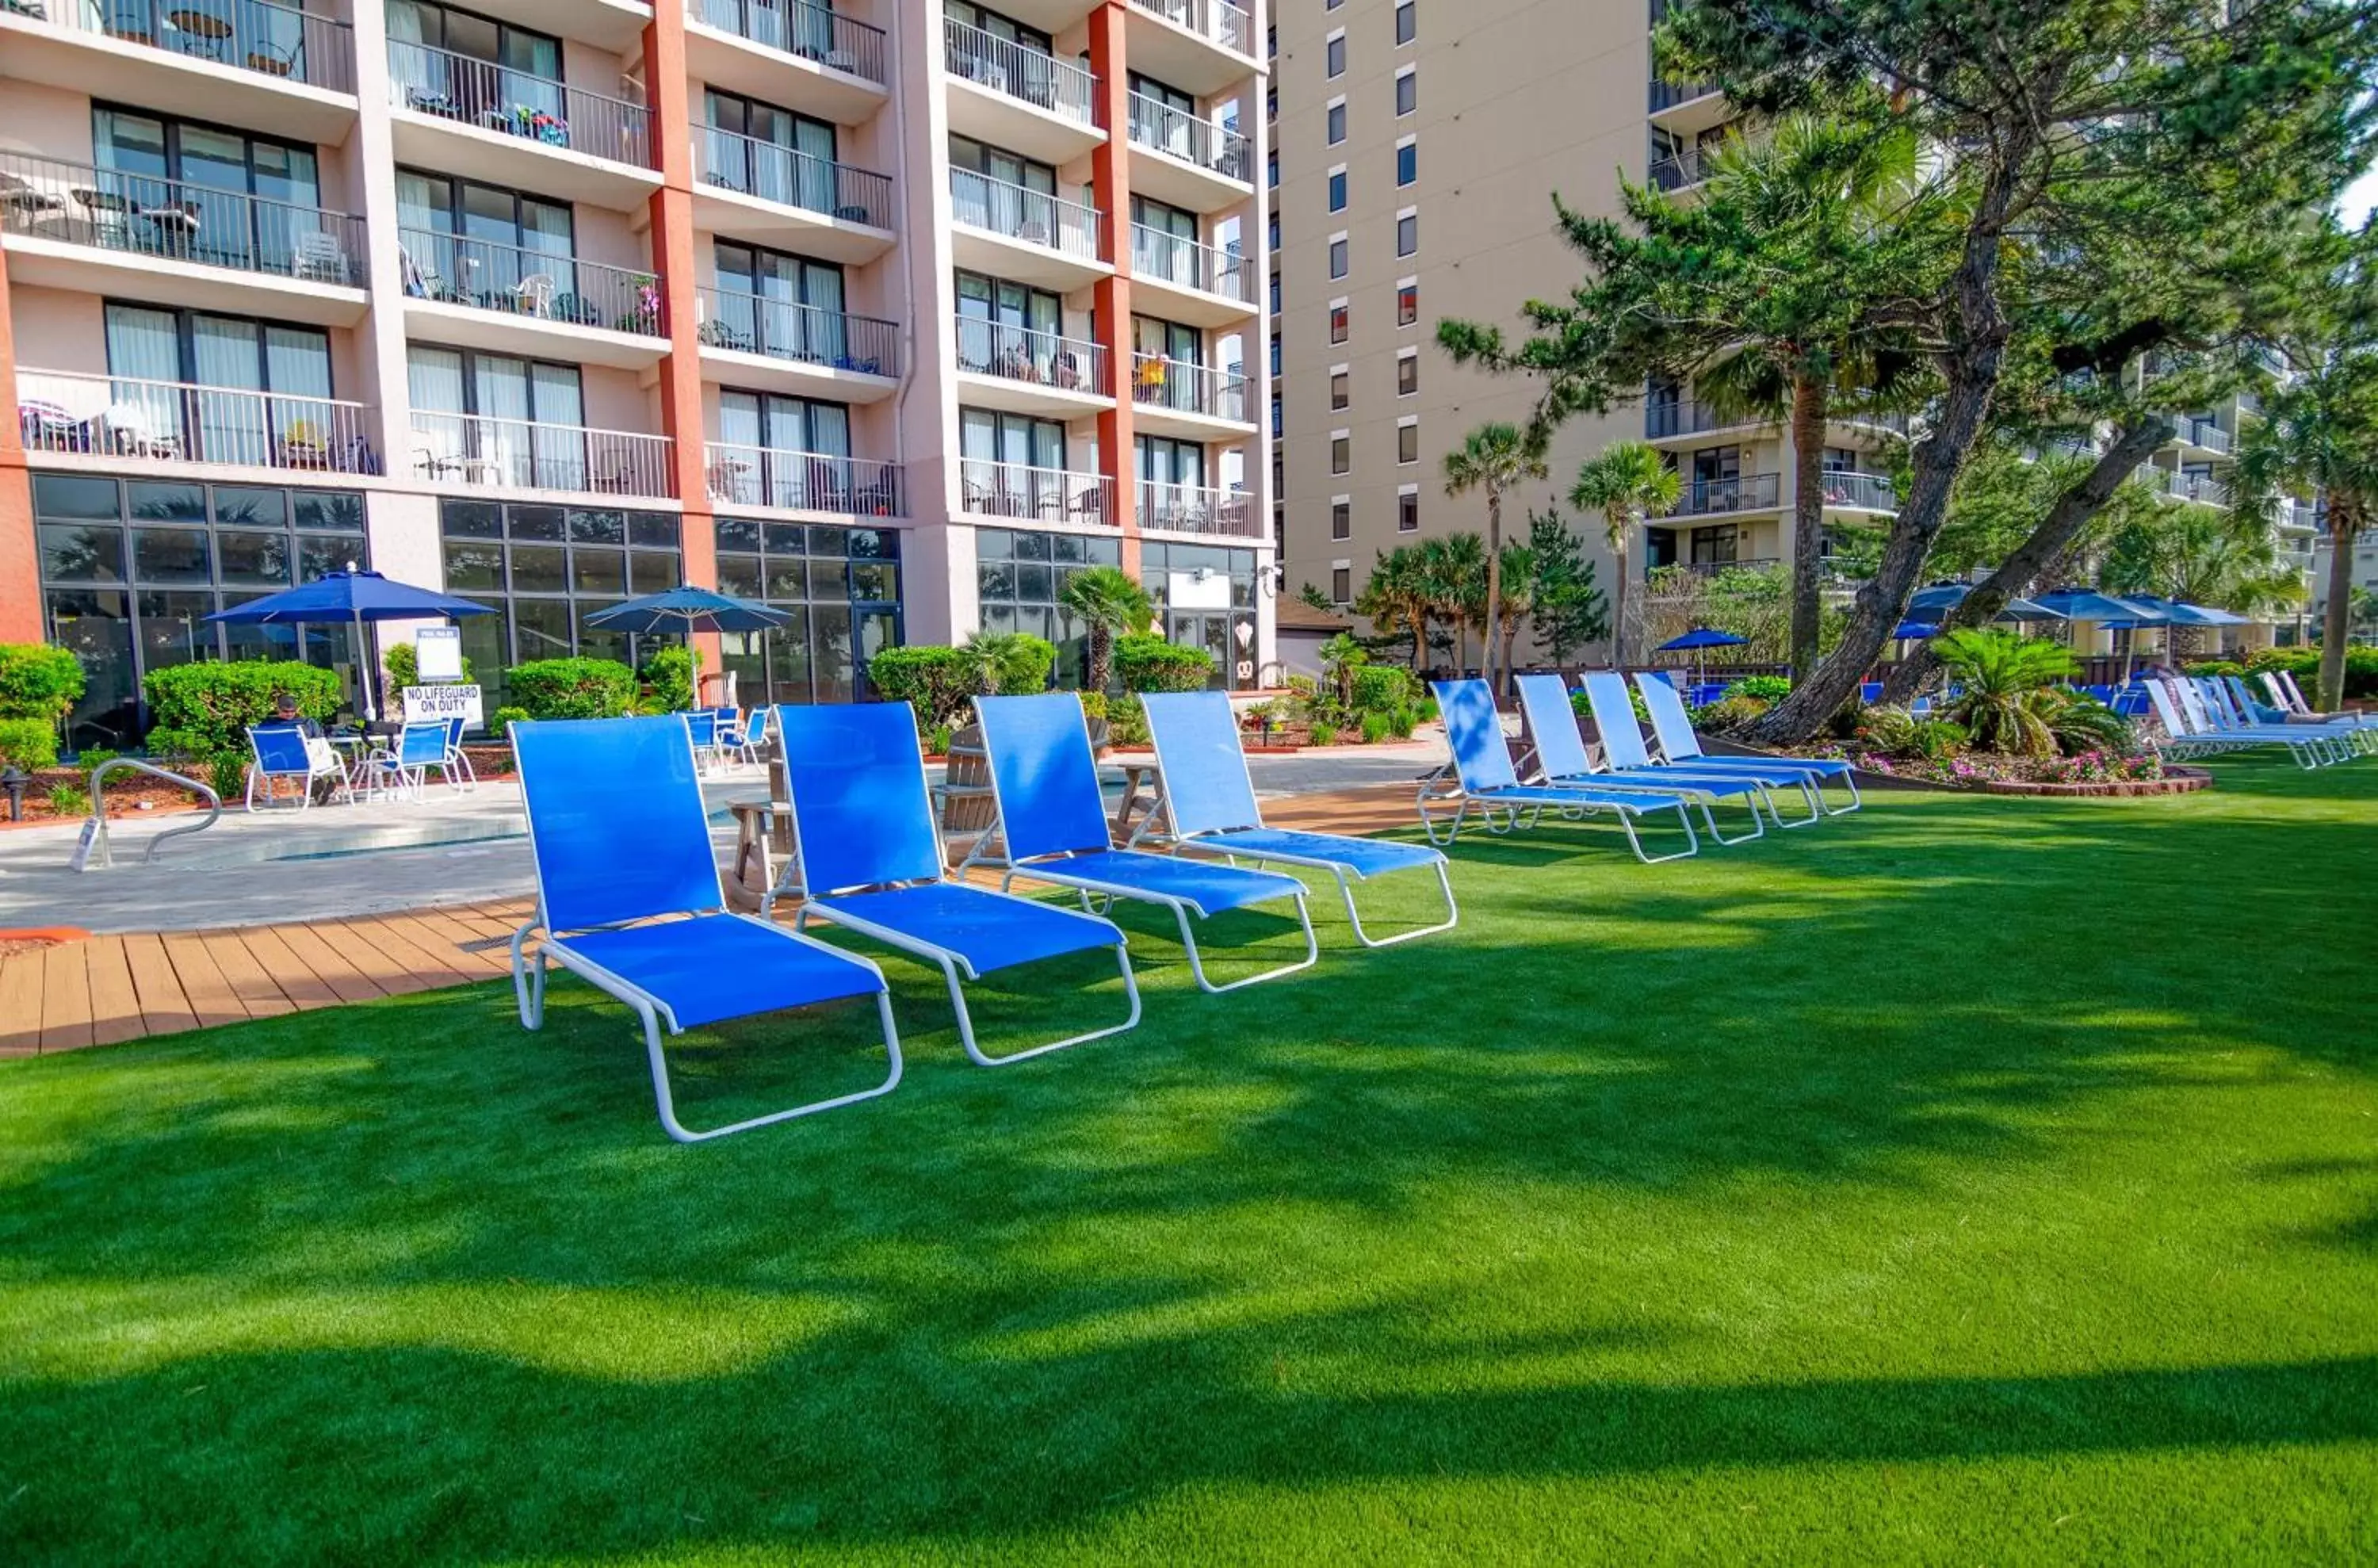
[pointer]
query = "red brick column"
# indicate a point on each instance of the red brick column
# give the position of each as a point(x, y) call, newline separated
point(20, 582)
point(1111, 189)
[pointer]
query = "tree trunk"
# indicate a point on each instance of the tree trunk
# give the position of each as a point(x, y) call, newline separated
point(2337, 616)
point(2045, 544)
point(1494, 588)
point(1420, 642)
point(1618, 600)
point(1099, 653)
point(1808, 399)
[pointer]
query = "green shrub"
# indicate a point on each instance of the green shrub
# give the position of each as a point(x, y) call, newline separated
point(936, 681)
point(1380, 688)
point(38, 681)
point(1375, 728)
point(201, 709)
point(1403, 721)
point(1094, 703)
point(227, 771)
point(573, 688)
point(1766, 688)
point(1026, 665)
point(1147, 663)
point(69, 800)
point(500, 725)
point(1895, 732)
point(29, 743)
point(1126, 722)
point(938, 742)
point(404, 667)
point(2212, 668)
point(1727, 713)
point(670, 672)
point(2360, 668)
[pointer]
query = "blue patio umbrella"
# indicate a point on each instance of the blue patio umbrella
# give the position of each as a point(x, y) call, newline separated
point(354, 596)
point(1938, 600)
point(1915, 631)
point(687, 610)
point(2087, 604)
point(1697, 639)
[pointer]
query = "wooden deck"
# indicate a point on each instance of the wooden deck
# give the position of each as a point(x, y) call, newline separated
point(104, 990)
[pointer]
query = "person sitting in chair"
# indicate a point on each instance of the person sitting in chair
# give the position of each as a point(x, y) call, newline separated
point(284, 711)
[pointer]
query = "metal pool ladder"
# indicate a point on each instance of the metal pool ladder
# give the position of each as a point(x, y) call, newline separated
point(91, 851)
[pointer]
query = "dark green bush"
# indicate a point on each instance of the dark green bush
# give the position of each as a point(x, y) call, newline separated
point(29, 743)
point(1766, 688)
point(1380, 688)
point(1147, 663)
point(2360, 668)
point(1127, 721)
point(670, 672)
point(38, 681)
point(227, 771)
point(499, 724)
point(1026, 668)
point(203, 709)
point(573, 688)
point(936, 681)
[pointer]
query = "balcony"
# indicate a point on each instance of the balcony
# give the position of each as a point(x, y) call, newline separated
point(1175, 397)
point(800, 481)
point(1193, 284)
point(288, 71)
point(1654, 571)
point(480, 452)
point(1850, 491)
point(766, 191)
point(1196, 509)
point(1018, 97)
point(1667, 95)
point(1681, 170)
point(783, 345)
point(2202, 489)
point(1690, 417)
point(178, 243)
point(478, 293)
point(1029, 372)
point(481, 119)
point(790, 52)
point(1029, 235)
point(2204, 435)
point(1035, 495)
point(1200, 165)
point(1200, 47)
point(1712, 498)
point(108, 421)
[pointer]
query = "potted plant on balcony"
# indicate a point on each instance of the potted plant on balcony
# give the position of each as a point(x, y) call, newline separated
point(644, 316)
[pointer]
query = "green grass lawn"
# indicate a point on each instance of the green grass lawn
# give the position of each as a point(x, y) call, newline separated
point(1965, 1180)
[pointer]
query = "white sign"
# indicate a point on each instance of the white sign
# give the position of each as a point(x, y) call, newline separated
point(80, 859)
point(438, 653)
point(1196, 590)
point(431, 705)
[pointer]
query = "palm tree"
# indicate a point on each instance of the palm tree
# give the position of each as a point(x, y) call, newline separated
point(988, 654)
point(1495, 458)
point(1454, 567)
point(1627, 484)
point(2003, 678)
point(1106, 599)
point(1398, 598)
point(1518, 601)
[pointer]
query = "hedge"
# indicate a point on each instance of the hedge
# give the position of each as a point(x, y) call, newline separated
point(571, 688)
point(38, 681)
point(1381, 688)
point(29, 743)
point(1026, 669)
point(2360, 668)
point(670, 672)
point(1145, 662)
point(203, 710)
point(934, 680)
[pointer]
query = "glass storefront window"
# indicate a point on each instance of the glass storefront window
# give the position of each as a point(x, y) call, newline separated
point(1018, 575)
point(841, 587)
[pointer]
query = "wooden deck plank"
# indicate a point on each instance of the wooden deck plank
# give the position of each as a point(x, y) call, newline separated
point(248, 980)
point(366, 951)
point(65, 998)
point(21, 1003)
point(164, 1008)
point(308, 950)
point(428, 958)
point(296, 979)
point(210, 995)
point(457, 944)
point(114, 1005)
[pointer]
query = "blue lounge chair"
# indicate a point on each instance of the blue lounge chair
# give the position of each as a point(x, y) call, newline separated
point(1484, 779)
point(1674, 729)
point(867, 855)
point(403, 770)
point(1052, 827)
point(458, 762)
point(283, 755)
point(1209, 803)
point(1562, 758)
point(619, 838)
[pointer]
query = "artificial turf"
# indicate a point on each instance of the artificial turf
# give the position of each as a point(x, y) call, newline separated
point(1963, 1180)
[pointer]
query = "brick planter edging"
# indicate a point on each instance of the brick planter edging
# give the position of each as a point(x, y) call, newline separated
point(2174, 781)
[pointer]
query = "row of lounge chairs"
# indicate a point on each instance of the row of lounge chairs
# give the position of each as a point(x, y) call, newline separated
point(2202, 715)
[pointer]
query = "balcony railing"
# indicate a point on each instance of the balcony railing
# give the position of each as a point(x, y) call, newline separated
point(1668, 94)
point(789, 177)
point(116, 417)
point(537, 283)
point(1175, 260)
point(1206, 143)
point(2203, 488)
point(477, 92)
point(1010, 69)
point(804, 31)
point(786, 329)
point(1019, 354)
point(1045, 495)
point(1686, 418)
point(178, 221)
point(2204, 433)
point(801, 481)
point(1188, 388)
point(484, 452)
point(1033, 216)
point(1198, 509)
point(1678, 169)
point(271, 39)
point(1653, 569)
point(1860, 492)
point(1226, 24)
point(1744, 492)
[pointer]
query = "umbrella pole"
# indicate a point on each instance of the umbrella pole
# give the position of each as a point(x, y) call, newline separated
point(364, 656)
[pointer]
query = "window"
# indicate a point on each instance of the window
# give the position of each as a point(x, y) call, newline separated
point(1407, 375)
point(1271, 169)
point(791, 307)
point(777, 155)
point(1271, 101)
point(251, 357)
point(1407, 303)
point(1407, 163)
point(1333, 119)
point(544, 570)
point(252, 197)
point(841, 590)
point(1167, 361)
point(1341, 454)
point(1275, 354)
point(1406, 89)
point(793, 452)
point(1338, 323)
point(1275, 294)
point(1275, 411)
point(1341, 393)
point(1271, 230)
point(1337, 256)
point(1336, 190)
point(1407, 513)
point(1271, 41)
point(1341, 519)
point(1332, 5)
point(1407, 20)
point(1341, 584)
point(1408, 440)
point(520, 416)
point(1408, 233)
point(467, 242)
point(1333, 55)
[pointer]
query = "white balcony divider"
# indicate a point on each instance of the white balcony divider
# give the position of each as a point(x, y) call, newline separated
point(801, 481)
point(1033, 216)
point(1188, 388)
point(175, 422)
point(1198, 509)
point(1866, 492)
point(478, 92)
point(483, 451)
point(1019, 354)
point(1043, 495)
point(1219, 20)
point(786, 329)
point(1014, 71)
point(1209, 145)
point(1174, 258)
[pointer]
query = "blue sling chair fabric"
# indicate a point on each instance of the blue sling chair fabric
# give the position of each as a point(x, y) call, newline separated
point(1209, 803)
point(1052, 827)
point(1674, 727)
point(628, 897)
point(1484, 781)
point(1562, 758)
point(867, 855)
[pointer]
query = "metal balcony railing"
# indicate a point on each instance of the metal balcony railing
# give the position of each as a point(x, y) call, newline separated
point(1033, 216)
point(1653, 569)
point(1019, 354)
point(1679, 170)
point(1198, 509)
point(539, 284)
point(2203, 488)
point(257, 35)
point(805, 30)
point(800, 481)
point(1045, 495)
point(1668, 94)
point(1219, 20)
point(177, 220)
point(1188, 388)
point(786, 329)
point(492, 97)
point(1207, 143)
point(1687, 416)
point(2204, 433)
point(483, 451)
point(1174, 259)
point(175, 422)
point(1860, 492)
point(790, 178)
point(1744, 492)
point(1014, 71)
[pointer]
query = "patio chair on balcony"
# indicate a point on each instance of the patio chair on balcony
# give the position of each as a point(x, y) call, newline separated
point(318, 257)
point(532, 296)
